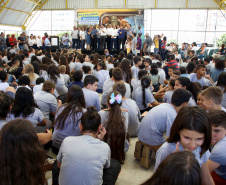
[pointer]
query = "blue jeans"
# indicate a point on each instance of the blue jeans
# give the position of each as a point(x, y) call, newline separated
point(75, 41)
point(114, 40)
point(82, 44)
point(2, 48)
point(156, 50)
point(21, 47)
point(98, 43)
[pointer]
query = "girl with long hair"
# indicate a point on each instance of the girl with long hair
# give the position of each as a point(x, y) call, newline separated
point(22, 155)
point(143, 96)
point(125, 66)
point(29, 71)
point(192, 87)
point(191, 131)
point(58, 79)
point(68, 117)
point(115, 120)
point(25, 107)
point(176, 169)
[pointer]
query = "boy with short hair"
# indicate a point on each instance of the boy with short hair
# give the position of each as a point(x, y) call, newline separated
point(135, 68)
point(211, 98)
point(3, 83)
point(77, 77)
point(62, 70)
point(217, 160)
point(89, 90)
point(147, 64)
point(176, 74)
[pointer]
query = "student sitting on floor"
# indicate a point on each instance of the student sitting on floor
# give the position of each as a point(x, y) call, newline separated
point(157, 122)
point(168, 95)
point(211, 98)
point(131, 106)
point(191, 131)
point(87, 153)
point(115, 120)
point(77, 77)
point(102, 75)
point(62, 70)
point(143, 97)
point(221, 82)
point(176, 169)
point(217, 160)
point(90, 94)
point(135, 68)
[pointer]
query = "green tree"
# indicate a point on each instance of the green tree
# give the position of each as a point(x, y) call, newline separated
point(222, 39)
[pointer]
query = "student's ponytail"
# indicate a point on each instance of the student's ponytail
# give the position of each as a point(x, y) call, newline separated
point(145, 83)
point(116, 132)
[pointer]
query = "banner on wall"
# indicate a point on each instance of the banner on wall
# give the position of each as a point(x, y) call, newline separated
point(88, 18)
point(134, 17)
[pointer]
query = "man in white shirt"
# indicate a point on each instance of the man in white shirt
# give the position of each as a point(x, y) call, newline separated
point(74, 35)
point(39, 42)
point(109, 33)
point(66, 41)
point(114, 33)
point(194, 46)
point(134, 43)
point(102, 37)
point(82, 36)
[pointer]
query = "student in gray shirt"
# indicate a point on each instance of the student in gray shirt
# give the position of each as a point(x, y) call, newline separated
point(131, 106)
point(87, 153)
point(45, 99)
point(160, 119)
point(168, 95)
point(217, 161)
point(143, 97)
point(68, 117)
point(89, 90)
point(191, 131)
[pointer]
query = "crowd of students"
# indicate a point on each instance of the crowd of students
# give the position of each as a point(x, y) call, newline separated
point(55, 100)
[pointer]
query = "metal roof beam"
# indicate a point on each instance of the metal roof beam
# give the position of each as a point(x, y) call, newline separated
point(3, 4)
point(16, 10)
point(35, 2)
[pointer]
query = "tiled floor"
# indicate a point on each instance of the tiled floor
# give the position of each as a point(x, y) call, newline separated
point(132, 173)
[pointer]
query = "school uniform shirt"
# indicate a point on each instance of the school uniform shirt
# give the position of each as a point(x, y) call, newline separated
point(79, 83)
point(60, 85)
point(91, 98)
point(31, 55)
point(78, 66)
point(37, 88)
point(72, 66)
point(168, 96)
point(218, 156)
point(83, 154)
point(137, 83)
point(66, 79)
point(102, 76)
point(138, 97)
point(134, 116)
point(214, 74)
point(125, 117)
point(33, 81)
point(107, 85)
point(158, 121)
point(135, 71)
point(3, 86)
point(168, 148)
point(88, 64)
point(183, 64)
point(223, 103)
point(193, 78)
point(71, 127)
point(46, 102)
point(162, 75)
point(2, 123)
point(110, 66)
point(35, 117)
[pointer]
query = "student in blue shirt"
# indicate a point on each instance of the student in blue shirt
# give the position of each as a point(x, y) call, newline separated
point(121, 37)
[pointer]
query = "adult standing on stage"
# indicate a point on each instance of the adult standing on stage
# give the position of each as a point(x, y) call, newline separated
point(79, 41)
point(98, 37)
point(139, 43)
point(134, 43)
point(21, 41)
point(109, 33)
point(93, 38)
point(147, 43)
point(121, 37)
point(88, 38)
point(47, 43)
point(82, 36)
point(74, 35)
point(2, 42)
point(114, 38)
point(102, 37)
point(129, 31)
point(43, 40)
point(66, 41)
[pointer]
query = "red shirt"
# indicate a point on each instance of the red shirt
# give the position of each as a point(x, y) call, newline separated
point(43, 40)
point(12, 41)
